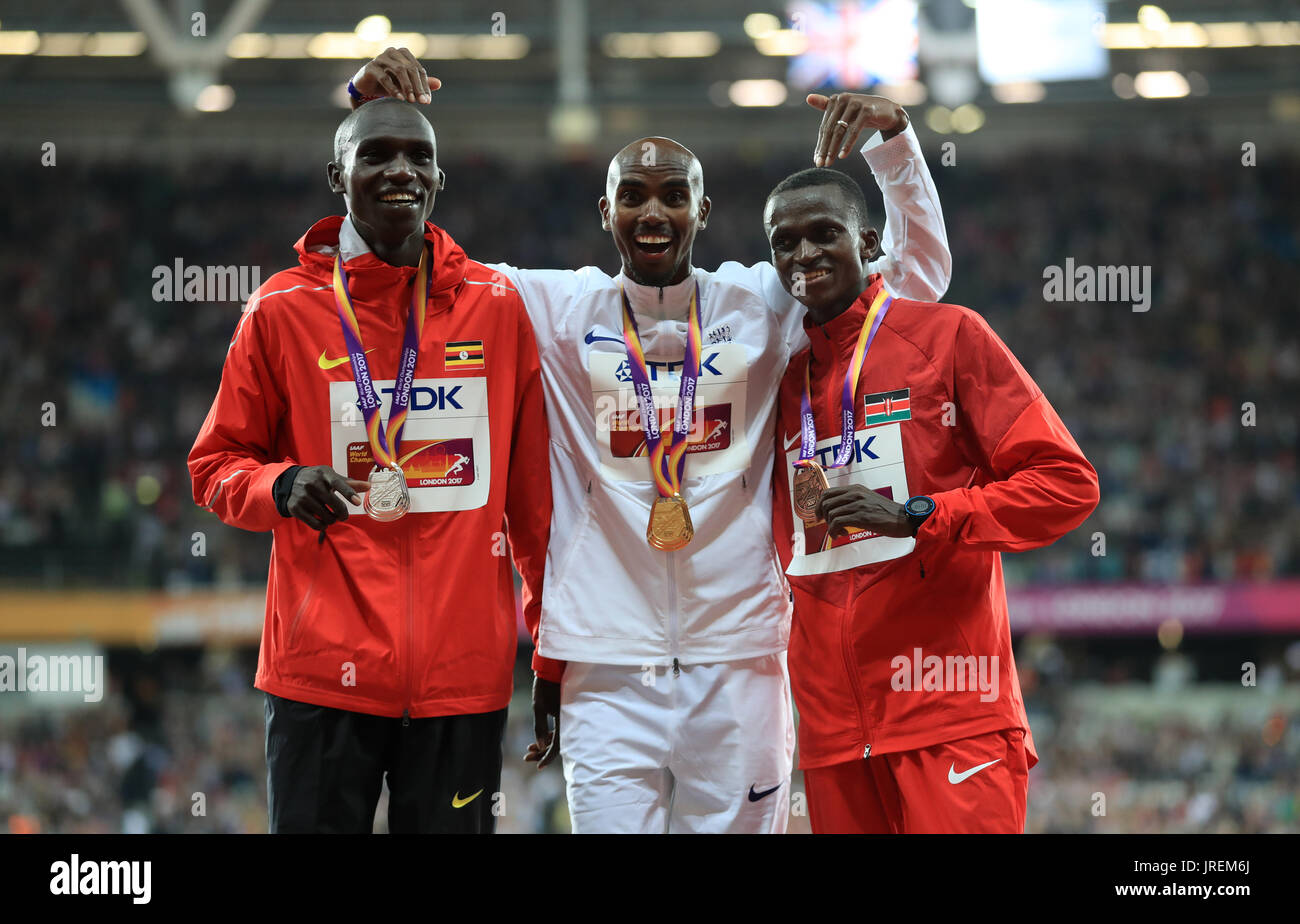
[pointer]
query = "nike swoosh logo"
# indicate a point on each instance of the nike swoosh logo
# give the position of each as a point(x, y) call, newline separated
point(797, 440)
point(326, 363)
point(954, 777)
point(592, 338)
point(458, 802)
point(755, 796)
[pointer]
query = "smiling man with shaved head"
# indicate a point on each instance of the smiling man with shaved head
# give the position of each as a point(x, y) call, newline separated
point(663, 590)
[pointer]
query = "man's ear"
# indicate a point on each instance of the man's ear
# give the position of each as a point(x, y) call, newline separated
point(603, 205)
point(442, 179)
point(705, 205)
point(870, 244)
point(334, 175)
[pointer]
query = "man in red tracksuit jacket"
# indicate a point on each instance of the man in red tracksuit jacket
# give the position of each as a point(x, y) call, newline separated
point(911, 717)
point(388, 647)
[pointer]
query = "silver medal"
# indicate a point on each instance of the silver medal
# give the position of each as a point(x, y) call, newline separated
point(389, 498)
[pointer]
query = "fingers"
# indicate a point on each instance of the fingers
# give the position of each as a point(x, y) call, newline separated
point(434, 83)
point(386, 81)
point(331, 506)
point(309, 511)
point(553, 750)
point(359, 486)
point(828, 137)
point(817, 101)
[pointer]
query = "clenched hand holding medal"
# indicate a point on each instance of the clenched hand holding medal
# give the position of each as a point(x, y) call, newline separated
point(670, 526)
point(389, 497)
point(810, 478)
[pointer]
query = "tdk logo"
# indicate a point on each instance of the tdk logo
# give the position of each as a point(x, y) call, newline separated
point(660, 370)
point(861, 450)
point(424, 398)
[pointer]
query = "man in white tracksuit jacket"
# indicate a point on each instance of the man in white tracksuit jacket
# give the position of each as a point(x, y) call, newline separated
point(675, 702)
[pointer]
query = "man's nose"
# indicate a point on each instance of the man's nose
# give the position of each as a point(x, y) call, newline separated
point(400, 167)
point(653, 210)
point(806, 251)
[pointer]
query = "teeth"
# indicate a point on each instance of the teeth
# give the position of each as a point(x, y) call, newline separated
point(652, 239)
point(815, 274)
point(398, 197)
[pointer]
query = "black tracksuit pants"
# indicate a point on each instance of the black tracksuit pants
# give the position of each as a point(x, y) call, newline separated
point(325, 769)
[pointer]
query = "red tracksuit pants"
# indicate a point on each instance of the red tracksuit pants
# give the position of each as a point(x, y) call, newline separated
point(974, 785)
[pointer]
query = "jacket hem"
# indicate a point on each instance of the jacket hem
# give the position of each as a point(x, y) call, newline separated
point(635, 652)
point(425, 709)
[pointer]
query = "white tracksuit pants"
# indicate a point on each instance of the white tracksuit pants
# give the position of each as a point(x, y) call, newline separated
point(706, 750)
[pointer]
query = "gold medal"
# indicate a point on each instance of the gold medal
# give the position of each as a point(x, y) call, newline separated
point(809, 485)
point(670, 526)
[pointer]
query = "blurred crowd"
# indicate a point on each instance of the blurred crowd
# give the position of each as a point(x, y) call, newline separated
point(1195, 758)
point(1187, 410)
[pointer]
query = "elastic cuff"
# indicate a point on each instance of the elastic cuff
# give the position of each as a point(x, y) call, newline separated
point(283, 487)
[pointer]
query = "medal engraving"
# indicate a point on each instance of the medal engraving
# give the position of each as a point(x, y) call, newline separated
point(809, 485)
point(670, 526)
point(389, 498)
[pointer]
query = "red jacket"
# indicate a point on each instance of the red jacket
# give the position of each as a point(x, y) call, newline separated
point(415, 616)
point(894, 641)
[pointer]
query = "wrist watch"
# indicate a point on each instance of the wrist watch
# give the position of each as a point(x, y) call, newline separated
point(917, 509)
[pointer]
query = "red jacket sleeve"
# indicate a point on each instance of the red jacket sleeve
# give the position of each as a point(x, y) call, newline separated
point(232, 464)
point(528, 490)
point(1041, 486)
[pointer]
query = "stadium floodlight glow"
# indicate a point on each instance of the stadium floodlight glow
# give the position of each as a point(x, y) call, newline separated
point(758, 25)
point(967, 118)
point(288, 45)
point(116, 44)
point(782, 43)
point(62, 44)
point(686, 44)
point(249, 45)
point(1153, 18)
point(1122, 84)
point(374, 29)
point(628, 45)
point(1023, 91)
point(1279, 33)
point(906, 93)
point(19, 43)
point(939, 119)
point(757, 93)
point(348, 45)
point(1161, 85)
point(493, 47)
point(1230, 34)
point(215, 97)
point(443, 47)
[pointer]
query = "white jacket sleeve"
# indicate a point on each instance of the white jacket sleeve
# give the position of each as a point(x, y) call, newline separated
point(916, 263)
point(548, 295)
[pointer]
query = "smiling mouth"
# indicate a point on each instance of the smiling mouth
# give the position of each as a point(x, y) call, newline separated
point(400, 198)
point(814, 275)
point(652, 245)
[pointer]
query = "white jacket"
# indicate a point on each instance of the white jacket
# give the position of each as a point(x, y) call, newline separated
point(609, 597)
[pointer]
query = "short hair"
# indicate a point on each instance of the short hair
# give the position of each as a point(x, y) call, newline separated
point(347, 130)
point(849, 189)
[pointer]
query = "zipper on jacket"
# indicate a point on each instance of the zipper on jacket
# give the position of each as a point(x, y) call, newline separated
point(921, 561)
point(673, 615)
point(406, 567)
point(848, 665)
point(866, 752)
point(677, 668)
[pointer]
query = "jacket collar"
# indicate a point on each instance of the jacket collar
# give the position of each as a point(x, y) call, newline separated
point(841, 333)
point(371, 280)
point(659, 302)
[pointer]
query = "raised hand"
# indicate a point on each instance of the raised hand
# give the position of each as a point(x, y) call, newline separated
point(847, 115)
point(397, 73)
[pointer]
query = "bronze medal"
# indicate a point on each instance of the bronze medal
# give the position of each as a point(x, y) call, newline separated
point(670, 526)
point(809, 485)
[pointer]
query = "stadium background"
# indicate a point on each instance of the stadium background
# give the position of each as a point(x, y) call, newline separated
point(1163, 675)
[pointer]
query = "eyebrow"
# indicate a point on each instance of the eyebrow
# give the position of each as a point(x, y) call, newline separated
point(675, 182)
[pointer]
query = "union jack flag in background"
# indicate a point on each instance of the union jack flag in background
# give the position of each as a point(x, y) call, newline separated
point(854, 43)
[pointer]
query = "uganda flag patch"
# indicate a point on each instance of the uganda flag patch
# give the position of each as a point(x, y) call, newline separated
point(464, 354)
point(887, 406)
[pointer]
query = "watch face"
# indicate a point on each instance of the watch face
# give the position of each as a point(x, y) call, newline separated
point(919, 506)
